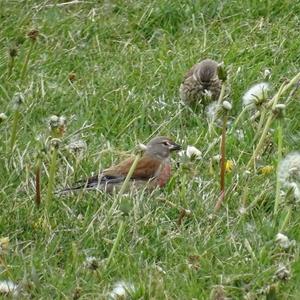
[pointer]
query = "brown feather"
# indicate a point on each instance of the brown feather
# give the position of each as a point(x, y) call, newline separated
point(152, 170)
point(190, 72)
point(146, 168)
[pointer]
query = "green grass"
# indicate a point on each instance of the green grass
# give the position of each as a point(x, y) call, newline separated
point(129, 58)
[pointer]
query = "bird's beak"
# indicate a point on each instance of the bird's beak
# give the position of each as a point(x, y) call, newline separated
point(174, 147)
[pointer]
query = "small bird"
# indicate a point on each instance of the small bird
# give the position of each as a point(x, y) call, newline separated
point(201, 85)
point(153, 169)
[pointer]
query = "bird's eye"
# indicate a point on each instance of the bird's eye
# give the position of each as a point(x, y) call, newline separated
point(166, 143)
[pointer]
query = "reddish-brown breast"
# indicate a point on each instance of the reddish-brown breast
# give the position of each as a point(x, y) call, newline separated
point(164, 175)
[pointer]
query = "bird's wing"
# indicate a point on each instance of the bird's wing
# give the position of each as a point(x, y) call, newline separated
point(190, 72)
point(93, 182)
point(146, 168)
point(102, 178)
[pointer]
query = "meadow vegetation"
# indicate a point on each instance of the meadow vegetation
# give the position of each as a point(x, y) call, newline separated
point(113, 68)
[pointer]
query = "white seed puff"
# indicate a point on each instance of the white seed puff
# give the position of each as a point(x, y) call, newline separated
point(257, 94)
point(289, 173)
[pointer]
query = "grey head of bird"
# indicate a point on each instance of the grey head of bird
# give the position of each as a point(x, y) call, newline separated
point(160, 147)
point(206, 72)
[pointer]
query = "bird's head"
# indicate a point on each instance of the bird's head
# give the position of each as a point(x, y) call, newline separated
point(206, 72)
point(160, 147)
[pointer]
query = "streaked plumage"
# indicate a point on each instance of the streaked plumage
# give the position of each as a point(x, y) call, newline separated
point(152, 170)
point(201, 84)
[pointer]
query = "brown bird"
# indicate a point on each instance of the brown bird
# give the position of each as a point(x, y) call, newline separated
point(152, 170)
point(201, 85)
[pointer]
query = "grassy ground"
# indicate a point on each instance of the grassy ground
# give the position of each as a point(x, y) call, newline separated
point(127, 59)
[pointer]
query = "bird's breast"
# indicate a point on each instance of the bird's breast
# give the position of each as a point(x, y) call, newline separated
point(164, 175)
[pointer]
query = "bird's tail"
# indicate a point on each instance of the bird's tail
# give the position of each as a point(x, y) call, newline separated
point(71, 189)
point(103, 183)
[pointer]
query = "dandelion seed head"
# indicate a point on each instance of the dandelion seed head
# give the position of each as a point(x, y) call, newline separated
point(78, 147)
point(216, 157)
point(207, 94)
point(257, 94)
point(218, 293)
point(181, 153)
point(239, 133)
point(187, 212)
point(242, 210)
point(160, 103)
point(3, 117)
point(17, 100)
point(279, 110)
point(80, 217)
point(7, 287)
point(57, 125)
point(227, 105)
point(62, 121)
point(121, 290)
point(212, 111)
point(54, 143)
point(289, 173)
point(193, 152)
point(267, 73)
point(282, 272)
point(283, 241)
point(53, 121)
point(160, 269)
point(91, 263)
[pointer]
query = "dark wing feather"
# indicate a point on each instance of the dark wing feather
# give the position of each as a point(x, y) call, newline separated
point(94, 182)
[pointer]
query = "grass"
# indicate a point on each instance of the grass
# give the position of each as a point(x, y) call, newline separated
point(126, 60)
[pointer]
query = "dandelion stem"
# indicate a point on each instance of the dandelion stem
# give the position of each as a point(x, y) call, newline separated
point(286, 219)
point(223, 165)
point(266, 128)
point(245, 194)
point(14, 129)
point(220, 99)
point(238, 119)
point(125, 184)
point(222, 93)
point(10, 66)
point(38, 182)
point(51, 175)
point(25, 65)
point(182, 214)
point(261, 142)
point(6, 267)
point(256, 199)
point(279, 157)
point(260, 124)
point(116, 243)
point(283, 88)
